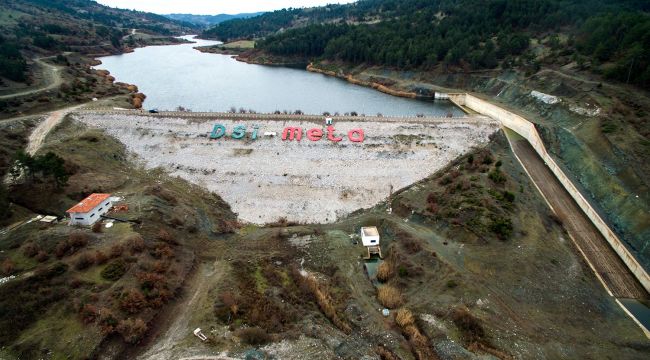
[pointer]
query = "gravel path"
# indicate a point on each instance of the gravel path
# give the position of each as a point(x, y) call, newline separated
point(312, 182)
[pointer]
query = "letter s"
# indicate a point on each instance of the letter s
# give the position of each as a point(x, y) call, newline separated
point(238, 132)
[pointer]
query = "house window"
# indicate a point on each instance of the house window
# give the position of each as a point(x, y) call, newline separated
point(100, 209)
point(91, 215)
point(373, 241)
point(106, 204)
point(79, 218)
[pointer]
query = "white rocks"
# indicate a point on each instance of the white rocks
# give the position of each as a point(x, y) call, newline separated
point(545, 98)
point(312, 182)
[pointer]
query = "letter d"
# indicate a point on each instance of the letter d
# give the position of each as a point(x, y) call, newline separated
point(218, 131)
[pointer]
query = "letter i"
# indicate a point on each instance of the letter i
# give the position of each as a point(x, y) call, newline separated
point(254, 136)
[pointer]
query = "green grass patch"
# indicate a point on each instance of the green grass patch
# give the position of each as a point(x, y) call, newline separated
point(61, 332)
point(260, 281)
point(241, 44)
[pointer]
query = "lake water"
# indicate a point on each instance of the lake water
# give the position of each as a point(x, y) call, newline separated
point(179, 75)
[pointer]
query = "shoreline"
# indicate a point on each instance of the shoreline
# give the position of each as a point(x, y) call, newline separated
point(374, 85)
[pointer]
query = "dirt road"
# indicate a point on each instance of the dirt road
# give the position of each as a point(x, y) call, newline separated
point(602, 258)
point(51, 80)
point(181, 326)
point(37, 136)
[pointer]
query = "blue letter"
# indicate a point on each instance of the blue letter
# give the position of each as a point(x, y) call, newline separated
point(218, 131)
point(254, 136)
point(238, 132)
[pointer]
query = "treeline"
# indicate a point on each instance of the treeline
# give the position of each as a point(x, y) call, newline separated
point(471, 34)
point(43, 167)
point(12, 63)
point(621, 42)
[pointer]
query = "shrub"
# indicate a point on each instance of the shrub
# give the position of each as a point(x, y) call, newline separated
point(132, 301)
point(502, 227)
point(452, 283)
point(116, 250)
point(89, 313)
point(8, 267)
point(389, 296)
point(30, 250)
point(385, 271)
point(508, 196)
point(404, 317)
point(385, 353)
point(97, 227)
point(165, 236)
point(132, 330)
point(84, 261)
point(114, 270)
point(100, 258)
point(497, 176)
point(107, 320)
point(469, 326)
point(411, 245)
point(487, 159)
point(254, 336)
point(42, 256)
point(78, 239)
point(135, 242)
point(161, 251)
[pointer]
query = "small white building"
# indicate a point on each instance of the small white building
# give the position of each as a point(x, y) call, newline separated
point(369, 236)
point(90, 209)
point(370, 239)
point(328, 121)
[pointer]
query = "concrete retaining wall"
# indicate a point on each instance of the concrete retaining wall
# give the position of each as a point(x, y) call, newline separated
point(527, 130)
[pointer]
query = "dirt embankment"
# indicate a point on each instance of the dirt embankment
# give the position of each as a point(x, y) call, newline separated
point(385, 88)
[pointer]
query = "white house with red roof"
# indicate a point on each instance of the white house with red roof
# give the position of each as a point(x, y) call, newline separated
point(90, 209)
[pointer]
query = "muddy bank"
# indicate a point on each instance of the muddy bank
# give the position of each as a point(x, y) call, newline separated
point(385, 88)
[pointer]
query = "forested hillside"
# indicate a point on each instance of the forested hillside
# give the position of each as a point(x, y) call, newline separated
point(608, 37)
point(210, 20)
point(38, 27)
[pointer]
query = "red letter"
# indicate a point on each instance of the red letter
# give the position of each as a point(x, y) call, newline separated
point(314, 134)
point(292, 132)
point(358, 137)
point(331, 136)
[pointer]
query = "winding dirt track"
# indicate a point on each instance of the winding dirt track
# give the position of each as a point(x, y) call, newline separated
point(52, 79)
point(607, 265)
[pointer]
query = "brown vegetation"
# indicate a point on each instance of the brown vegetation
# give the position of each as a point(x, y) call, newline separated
point(8, 267)
point(84, 261)
point(385, 353)
point(97, 227)
point(420, 344)
point(132, 330)
point(325, 302)
point(389, 296)
point(385, 271)
point(254, 336)
point(132, 301)
point(135, 242)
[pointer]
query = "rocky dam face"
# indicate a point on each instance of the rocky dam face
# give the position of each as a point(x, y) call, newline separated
point(315, 180)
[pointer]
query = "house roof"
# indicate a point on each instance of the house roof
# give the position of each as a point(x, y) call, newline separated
point(88, 203)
